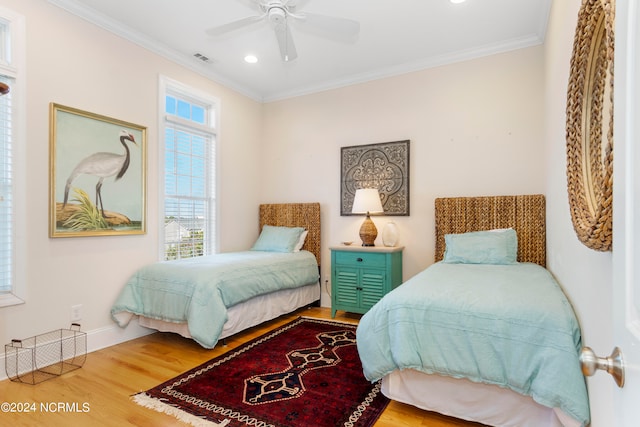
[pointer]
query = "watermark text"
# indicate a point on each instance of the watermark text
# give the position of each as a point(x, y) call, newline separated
point(46, 407)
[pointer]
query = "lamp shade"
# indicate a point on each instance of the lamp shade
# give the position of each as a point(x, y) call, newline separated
point(367, 200)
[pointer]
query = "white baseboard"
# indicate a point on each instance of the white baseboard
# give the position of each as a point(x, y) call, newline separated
point(98, 339)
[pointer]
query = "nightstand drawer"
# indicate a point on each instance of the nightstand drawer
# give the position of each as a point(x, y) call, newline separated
point(361, 259)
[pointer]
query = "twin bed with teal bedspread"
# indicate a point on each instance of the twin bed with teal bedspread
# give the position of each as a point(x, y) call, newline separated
point(198, 291)
point(508, 325)
point(486, 326)
point(211, 297)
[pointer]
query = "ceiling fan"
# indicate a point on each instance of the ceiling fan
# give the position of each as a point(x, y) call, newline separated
point(279, 13)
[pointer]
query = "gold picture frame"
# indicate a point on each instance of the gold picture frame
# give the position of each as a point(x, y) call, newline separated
point(97, 181)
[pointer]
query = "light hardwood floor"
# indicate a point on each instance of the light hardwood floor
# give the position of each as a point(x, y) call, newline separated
point(98, 394)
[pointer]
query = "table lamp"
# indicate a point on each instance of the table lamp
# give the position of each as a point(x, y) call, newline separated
point(367, 200)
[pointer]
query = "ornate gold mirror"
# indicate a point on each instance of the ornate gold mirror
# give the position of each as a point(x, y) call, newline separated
point(590, 125)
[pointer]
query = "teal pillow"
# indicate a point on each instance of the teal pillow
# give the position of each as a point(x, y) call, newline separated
point(278, 239)
point(482, 247)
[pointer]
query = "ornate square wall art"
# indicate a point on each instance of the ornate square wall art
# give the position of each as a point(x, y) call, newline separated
point(97, 174)
point(383, 166)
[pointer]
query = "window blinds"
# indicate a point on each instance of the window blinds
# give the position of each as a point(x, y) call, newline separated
point(6, 192)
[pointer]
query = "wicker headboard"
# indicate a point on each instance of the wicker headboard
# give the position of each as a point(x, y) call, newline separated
point(305, 215)
point(526, 214)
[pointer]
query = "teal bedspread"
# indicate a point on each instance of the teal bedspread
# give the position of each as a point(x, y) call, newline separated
point(508, 325)
point(199, 290)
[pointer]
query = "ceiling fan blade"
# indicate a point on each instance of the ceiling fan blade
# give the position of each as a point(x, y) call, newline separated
point(295, 5)
point(252, 4)
point(235, 25)
point(285, 41)
point(331, 25)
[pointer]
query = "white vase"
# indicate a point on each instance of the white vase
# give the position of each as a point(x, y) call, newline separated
point(390, 234)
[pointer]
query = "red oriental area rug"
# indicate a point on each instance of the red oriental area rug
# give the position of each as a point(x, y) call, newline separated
point(306, 373)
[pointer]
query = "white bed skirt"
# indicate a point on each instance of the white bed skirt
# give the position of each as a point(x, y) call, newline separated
point(464, 399)
point(249, 313)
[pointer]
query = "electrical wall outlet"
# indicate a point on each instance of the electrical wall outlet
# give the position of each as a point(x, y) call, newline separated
point(76, 312)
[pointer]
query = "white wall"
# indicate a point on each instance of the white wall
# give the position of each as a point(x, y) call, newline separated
point(74, 63)
point(475, 129)
point(586, 275)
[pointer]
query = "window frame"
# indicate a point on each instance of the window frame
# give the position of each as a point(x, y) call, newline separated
point(14, 68)
point(172, 87)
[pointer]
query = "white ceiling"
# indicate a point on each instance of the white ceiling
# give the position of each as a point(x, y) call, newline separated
point(396, 36)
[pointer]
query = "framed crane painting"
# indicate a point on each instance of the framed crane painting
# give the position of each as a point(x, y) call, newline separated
point(97, 174)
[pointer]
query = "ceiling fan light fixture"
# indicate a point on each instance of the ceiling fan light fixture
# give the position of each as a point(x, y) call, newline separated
point(278, 13)
point(277, 16)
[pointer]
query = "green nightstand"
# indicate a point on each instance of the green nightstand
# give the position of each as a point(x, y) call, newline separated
point(360, 276)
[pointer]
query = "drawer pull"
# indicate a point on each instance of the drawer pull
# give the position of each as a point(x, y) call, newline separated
point(359, 259)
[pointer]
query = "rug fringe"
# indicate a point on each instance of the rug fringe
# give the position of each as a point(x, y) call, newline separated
point(147, 401)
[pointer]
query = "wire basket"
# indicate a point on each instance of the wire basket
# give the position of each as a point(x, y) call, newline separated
point(45, 356)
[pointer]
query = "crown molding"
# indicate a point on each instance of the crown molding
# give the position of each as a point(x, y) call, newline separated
point(76, 8)
point(410, 67)
point(89, 14)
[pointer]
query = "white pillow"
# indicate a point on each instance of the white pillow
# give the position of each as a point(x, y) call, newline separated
point(301, 241)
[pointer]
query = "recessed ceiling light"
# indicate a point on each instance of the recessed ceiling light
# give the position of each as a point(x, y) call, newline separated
point(251, 59)
point(457, 1)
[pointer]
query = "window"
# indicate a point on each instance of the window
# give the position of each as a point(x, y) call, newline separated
point(6, 192)
point(189, 201)
point(11, 160)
